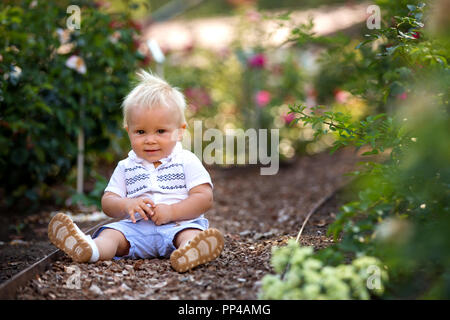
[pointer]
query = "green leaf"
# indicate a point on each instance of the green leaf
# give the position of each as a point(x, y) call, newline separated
point(372, 152)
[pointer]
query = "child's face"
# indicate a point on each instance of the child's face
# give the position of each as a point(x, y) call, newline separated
point(154, 132)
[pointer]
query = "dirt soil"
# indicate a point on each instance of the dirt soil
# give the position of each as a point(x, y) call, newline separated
point(254, 212)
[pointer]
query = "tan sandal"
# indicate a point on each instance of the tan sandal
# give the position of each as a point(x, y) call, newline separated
point(204, 247)
point(65, 235)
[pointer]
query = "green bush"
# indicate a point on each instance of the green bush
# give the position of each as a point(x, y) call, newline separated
point(45, 100)
point(400, 214)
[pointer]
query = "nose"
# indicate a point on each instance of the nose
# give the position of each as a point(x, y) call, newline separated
point(150, 138)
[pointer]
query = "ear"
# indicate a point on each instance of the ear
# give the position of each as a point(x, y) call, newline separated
point(180, 131)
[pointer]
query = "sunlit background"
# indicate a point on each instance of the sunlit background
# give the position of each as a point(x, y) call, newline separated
point(245, 64)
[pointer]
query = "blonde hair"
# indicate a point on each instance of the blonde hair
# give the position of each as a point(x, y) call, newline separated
point(152, 91)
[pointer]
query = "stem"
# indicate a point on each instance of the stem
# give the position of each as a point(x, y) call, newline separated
point(334, 125)
point(80, 157)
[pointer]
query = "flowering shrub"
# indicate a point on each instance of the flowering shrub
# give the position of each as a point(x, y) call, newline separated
point(308, 278)
point(399, 213)
point(257, 61)
point(52, 82)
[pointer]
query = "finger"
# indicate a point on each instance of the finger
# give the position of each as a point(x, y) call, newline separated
point(147, 200)
point(151, 211)
point(146, 209)
point(133, 219)
point(142, 213)
point(142, 210)
point(148, 214)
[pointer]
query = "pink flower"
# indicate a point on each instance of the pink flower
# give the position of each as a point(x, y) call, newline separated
point(341, 96)
point(287, 118)
point(135, 25)
point(197, 98)
point(416, 35)
point(262, 98)
point(402, 96)
point(114, 24)
point(257, 61)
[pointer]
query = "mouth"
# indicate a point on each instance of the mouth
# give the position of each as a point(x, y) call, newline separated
point(151, 151)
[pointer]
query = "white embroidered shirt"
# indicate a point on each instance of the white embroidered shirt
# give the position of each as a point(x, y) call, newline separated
point(169, 183)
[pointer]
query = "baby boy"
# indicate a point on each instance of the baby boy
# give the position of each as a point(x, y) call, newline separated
point(160, 191)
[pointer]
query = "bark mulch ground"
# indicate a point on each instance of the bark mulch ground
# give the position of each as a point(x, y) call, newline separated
point(254, 212)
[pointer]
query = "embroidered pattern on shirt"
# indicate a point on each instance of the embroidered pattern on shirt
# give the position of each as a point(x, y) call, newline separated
point(134, 168)
point(137, 179)
point(174, 179)
point(170, 166)
point(173, 187)
point(167, 178)
point(136, 190)
point(134, 179)
point(171, 176)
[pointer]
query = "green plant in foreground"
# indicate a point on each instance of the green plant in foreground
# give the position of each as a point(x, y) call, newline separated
point(308, 278)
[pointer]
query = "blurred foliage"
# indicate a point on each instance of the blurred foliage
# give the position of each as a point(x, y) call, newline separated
point(401, 212)
point(301, 276)
point(209, 8)
point(54, 81)
point(64, 80)
point(93, 197)
point(383, 71)
point(251, 87)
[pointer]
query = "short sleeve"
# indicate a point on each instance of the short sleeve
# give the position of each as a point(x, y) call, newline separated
point(117, 182)
point(194, 171)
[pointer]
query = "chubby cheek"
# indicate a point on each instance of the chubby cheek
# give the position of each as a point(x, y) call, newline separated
point(168, 144)
point(136, 141)
point(174, 136)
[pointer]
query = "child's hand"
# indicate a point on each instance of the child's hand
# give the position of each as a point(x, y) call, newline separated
point(139, 205)
point(162, 214)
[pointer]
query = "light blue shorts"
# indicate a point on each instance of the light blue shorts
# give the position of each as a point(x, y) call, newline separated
point(148, 240)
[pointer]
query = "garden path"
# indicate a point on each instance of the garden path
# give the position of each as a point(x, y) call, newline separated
point(254, 213)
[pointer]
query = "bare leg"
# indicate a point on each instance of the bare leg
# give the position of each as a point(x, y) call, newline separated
point(111, 243)
point(182, 237)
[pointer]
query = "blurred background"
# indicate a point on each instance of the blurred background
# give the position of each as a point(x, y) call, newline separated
point(238, 63)
point(243, 64)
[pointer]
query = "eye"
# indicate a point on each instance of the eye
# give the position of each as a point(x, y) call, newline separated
point(160, 131)
point(140, 131)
